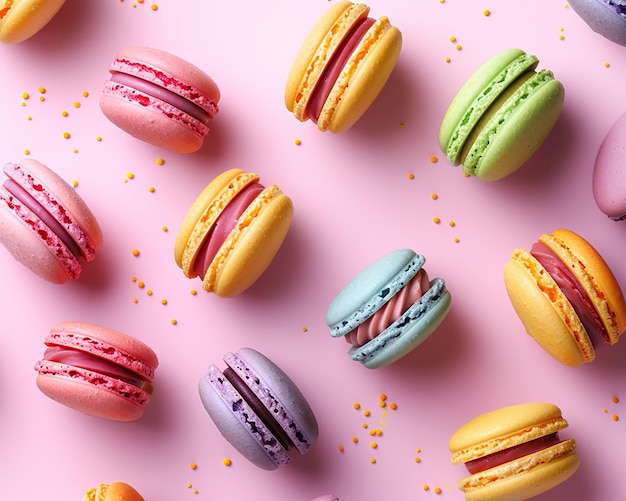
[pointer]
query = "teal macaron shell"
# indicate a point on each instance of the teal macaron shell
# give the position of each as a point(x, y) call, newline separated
point(501, 116)
point(370, 290)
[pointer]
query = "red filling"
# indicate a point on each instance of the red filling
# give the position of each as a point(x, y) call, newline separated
point(511, 454)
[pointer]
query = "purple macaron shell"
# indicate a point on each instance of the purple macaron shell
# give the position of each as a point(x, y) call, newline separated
point(605, 17)
point(609, 172)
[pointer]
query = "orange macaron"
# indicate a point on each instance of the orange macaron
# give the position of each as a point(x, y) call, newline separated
point(566, 296)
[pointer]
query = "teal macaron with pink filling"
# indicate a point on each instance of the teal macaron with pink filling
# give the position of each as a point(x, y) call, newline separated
point(388, 309)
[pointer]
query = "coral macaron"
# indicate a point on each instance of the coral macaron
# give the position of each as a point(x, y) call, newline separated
point(341, 67)
point(258, 409)
point(514, 453)
point(232, 232)
point(116, 491)
point(160, 98)
point(21, 19)
point(44, 223)
point(566, 296)
point(605, 17)
point(96, 370)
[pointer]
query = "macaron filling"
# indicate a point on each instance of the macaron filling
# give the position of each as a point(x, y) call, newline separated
point(511, 453)
point(78, 358)
point(223, 226)
point(333, 69)
point(390, 311)
point(618, 5)
point(26, 199)
point(574, 293)
point(159, 92)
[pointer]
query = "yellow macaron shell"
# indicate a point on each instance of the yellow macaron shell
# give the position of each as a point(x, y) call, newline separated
point(21, 19)
point(117, 491)
point(362, 78)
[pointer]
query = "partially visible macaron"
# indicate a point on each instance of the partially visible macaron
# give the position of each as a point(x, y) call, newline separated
point(160, 98)
point(501, 116)
point(327, 497)
point(605, 17)
point(566, 296)
point(44, 223)
point(21, 19)
point(258, 409)
point(388, 309)
point(609, 172)
point(514, 453)
point(232, 232)
point(97, 371)
point(342, 66)
point(117, 491)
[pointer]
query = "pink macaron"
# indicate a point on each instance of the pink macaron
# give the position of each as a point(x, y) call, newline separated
point(44, 223)
point(609, 172)
point(96, 370)
point(160, 98)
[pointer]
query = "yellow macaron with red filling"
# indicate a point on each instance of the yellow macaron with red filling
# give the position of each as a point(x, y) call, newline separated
point(232, 232)
point(514, 453)
point(21, 19)
point(342, 66)
point(566, 296)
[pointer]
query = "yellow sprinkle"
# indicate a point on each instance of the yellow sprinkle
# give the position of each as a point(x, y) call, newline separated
point(418, 460)
point(615, 417)
point(372, 460)
point(149, 292)
point(426, 487)
point(188, 486)
point(456, 240)
point(75, 150)
point(174, 321)
point(135, 252)
point(66, 135)
point(164, 228)
point(393, 406)
point(26, 152)
point(373, 445)
point(453, 39)
point(159, 161)
point(486, 12)
point(452, 223)
point(383, 397)
point(195, 491)
point(418, 450)
point(437, 490)
point(434, 196)
point(76, 104)
point(364, 425)
point(64, 113)
point(227, 462)
point(366, 413)
point(607, 64)
point(42, 99)
point(298, 142)
point(436, 220)
point(23, 104)
point(130, 175)
point(98, 138)
point(372, 432)
point(85, 93)
point(154, 6)
point(340, 448)
point(382, 403)
point(28, 117)
point(194, 292)
point(42, 90)
point(193, 466)
point(605, 411)
point(74, 183)
point(458, 47)
point(615, 400)
point(411, 175)
point(25, 95)
point(402, 125)
point(561, 37)
point(135, 300)
point(163, 301)
point(356, 405)
point(133, 279)
point(447, 59)
point(304, 329)
point(151, 189)
point(141, 284)
point(433, 159)
point(355, 440)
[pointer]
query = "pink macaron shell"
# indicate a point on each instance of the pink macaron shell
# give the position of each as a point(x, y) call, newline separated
point(609, 173)
point(62, 201)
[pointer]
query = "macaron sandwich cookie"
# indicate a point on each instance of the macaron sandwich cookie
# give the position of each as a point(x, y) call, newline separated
point(44, 223)
point(388, 309)
point(501, 116)
point(605, 17)
point(21, 19)
point(117, 491)
point(232, 232)
point(514, 453)
point(341, 67)
point(258, 409)
point(160, 98)
point(566, 296)
point(96, 370)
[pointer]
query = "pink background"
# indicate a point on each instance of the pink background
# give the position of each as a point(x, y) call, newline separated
point(354, 201)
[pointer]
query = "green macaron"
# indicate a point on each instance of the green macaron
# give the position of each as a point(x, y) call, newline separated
point(501, 115)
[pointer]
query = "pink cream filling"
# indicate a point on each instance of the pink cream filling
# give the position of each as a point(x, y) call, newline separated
point(511, 454)
point(390, 311)
point(40, 211)
point(574, 293)
point(84, 360)
point(333, 69)
point(163, 94)
point(224, 225)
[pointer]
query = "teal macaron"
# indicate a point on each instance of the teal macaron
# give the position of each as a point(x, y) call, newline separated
point(501, 115)
point(388, 309)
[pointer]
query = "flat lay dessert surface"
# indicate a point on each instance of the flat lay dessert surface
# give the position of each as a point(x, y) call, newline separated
point(357, 194)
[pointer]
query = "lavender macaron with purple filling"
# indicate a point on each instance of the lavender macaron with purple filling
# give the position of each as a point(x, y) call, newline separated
point(605, 17)
point(258, 409)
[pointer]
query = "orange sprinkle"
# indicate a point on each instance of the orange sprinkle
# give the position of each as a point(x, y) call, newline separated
point(227, 462)
point(193, 466)
point(193, 292)
point(154, 6)
point(373, 460)
point(393, 406)
point(486, 12)
point(418, 460)
point(174, 321)
point(42, 90)
point(615, 417)
point(456, 240)
point(452, 223)
point(366, 413)
point(159, 161)
point(373, 445)
point(356, 405)
point(411, 175)
point(298, 142)
point(436, 220)
point(133, 278)
point(76, 104)
point(151, 189)
point(615, 400)
point(149, 292)
point(141, 284)
point(383, 397)
point(304, 329)
point(434, 196)
point(355, 440)
point(163, 301)
point(340, 448)
point(85, 93)
point(437, 490)
point(64, 113)
point(382, 403)
point(135, 252)
point(425, 487)
point(66, 135)
point(364, 425)
point(433, 159)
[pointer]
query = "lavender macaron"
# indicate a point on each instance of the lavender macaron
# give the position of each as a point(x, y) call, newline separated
point(258, 409)
point(605, 17)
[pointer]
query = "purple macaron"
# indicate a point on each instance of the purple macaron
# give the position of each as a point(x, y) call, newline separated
point(258, 409)
point(609, 172)
point(605, 17)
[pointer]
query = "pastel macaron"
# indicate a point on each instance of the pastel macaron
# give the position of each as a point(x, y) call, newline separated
point(21, 19)
point(605, 17)
point(97, 370)
point(327, 497)
point(609, 174)
point(514, 453)
point(501, 116)
point(342, 66)
point(160, 98)
point(44, 223)
point(388, 309)
point(116, 491)
point(566, 297)
point(258, 409)
point(232, 232)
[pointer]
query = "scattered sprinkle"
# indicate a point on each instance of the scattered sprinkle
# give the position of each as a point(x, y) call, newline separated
point(74, 183)
point(133, 279)
point(76, 104)
point(227, 462)
point(453, 39)
point(304, 329)
point(382, 403)
point(130, 175)
point(135, 252)
point(193, 466)
point(373, 445)
point(297, 142)
point(447, 59)
point(135, 300)
point(364, 426)
point(26, 151)
point(141, 284)
point(607, 64)
point(98, 138)
point(64, 113)
point(393, 406)
point(402, 125)
point(42, 98)
point(193, 292)
point(433, 159)
point(85, 93)
point(434, 196)
point(456, 240)
point(340, 448)
point(164, 301)
point(154, 6)
point(356, 405)
point(174, 321)
point(458, 47)
point(437, 490)
point(355, 440)
point(66, 135)
point(452, 224)
point(425, 487)
point(615, 400)
point(149, 292)
point(151, 189)
point(366, 413)
point(159, 161)
point(615, 417)
point(418, 460)
point(486, 12)
point(189, 486)
point(411, 175)
point(28, 117)
point(164, 228)
point(436, 220)
point(25, 95)
point(42, 90)
point(373, 460)
point(383, 397)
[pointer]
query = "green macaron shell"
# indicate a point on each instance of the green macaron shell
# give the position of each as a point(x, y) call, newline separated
point(477, 94)
point(515, 131)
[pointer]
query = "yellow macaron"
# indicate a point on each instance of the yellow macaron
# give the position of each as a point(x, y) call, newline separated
point(513, 453)
point(21, 19)
point(232, 232)
point(117, 491)
point(342, 66)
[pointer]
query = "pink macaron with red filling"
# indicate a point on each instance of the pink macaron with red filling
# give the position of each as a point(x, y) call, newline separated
point(96, 370)
point(160, 98)
point(44, 223)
